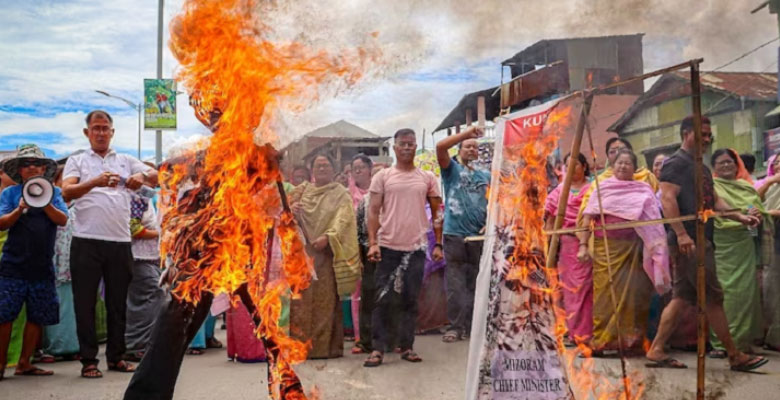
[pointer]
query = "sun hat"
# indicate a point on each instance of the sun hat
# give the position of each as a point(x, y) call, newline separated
point(29, 152)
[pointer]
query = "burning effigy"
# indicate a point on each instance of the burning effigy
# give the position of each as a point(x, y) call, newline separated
point(224, 205)
point(517, 349)
point(514, 348)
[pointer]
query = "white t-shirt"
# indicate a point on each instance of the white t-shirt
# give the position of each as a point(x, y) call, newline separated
point(104, 212)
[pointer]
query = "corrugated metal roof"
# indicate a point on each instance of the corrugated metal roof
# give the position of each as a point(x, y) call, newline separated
point(751, 85)
point(458, 114)
point(342, 130)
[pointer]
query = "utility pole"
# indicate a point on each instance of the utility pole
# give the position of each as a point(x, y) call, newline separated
point(158, 134)
point(137, 107)
point(774, 8)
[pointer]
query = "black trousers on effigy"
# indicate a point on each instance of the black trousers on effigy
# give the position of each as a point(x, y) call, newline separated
point(176, 325)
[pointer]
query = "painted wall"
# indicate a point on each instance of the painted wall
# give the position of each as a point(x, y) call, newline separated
point(732, 126)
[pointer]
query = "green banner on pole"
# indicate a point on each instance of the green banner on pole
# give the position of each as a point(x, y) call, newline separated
point(159, 104)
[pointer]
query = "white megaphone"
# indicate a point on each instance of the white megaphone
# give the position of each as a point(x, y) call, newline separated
point(37, 192)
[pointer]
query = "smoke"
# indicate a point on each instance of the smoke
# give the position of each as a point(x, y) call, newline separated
point(412, 30)
point(440, 37)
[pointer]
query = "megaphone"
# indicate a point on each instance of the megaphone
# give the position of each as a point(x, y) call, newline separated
point(38, 192)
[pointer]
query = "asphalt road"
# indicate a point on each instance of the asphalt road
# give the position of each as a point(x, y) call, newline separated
point(439, 376)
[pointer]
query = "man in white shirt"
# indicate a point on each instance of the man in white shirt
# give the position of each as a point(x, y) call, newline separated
point(101, 238)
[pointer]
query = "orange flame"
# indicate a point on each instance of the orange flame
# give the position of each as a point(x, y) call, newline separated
point(218, 233)
point(523, 198)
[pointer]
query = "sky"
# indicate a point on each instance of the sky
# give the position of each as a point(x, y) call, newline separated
point(56, 54)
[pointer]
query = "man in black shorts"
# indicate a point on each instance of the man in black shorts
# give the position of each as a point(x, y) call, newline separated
point(678, 198)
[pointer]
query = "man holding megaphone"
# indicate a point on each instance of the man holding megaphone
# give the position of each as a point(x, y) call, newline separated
point(31, 210)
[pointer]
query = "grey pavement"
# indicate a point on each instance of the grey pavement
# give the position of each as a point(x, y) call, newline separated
point(440, 376)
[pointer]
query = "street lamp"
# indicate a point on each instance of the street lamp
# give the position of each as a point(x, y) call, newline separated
point(137, 107)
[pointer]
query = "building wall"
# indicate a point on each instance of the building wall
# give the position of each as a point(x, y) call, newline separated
point(659, 125)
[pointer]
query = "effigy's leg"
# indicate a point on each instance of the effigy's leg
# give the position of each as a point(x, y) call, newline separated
point(175, 326)
point(290, 385)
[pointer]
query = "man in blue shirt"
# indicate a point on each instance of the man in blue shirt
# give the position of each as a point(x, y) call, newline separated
point(465, 212)
point(26, 266)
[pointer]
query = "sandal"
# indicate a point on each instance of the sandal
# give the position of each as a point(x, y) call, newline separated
point(717, 354)
point(771, 348)
point(195, 352)
point(213, 343)
point(46, 358)
point(374, 360)
point(750, 364)
point(91, 371)
point(134, 356)
point(411, 356)
point(121, 366)
point(450, 337)
point(34, 371)
point(358, 349)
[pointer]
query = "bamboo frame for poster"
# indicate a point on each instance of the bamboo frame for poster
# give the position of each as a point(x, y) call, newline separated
point(555, 233)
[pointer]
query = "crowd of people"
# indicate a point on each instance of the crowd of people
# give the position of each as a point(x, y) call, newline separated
point(87, 268)
point(615, 282)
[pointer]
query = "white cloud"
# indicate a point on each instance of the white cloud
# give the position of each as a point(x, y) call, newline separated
point(56, 53)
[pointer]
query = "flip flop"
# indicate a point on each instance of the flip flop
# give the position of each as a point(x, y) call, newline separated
point(121, 366)
point(666, 363)
point(34, 371)
point(374, 360)
point(47, 359)
point(750, 365)
point(359, 350)
point(411, 356)
point(450, 337)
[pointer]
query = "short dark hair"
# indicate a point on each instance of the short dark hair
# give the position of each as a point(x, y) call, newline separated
point(615, 139)
point(92, 113)
point(750, 162)
point(362, 157)
point(404, 132)
point(687, 124)
point(719, 152)
point(583, 161)
point(322, 154)
point(631, 155)
point(302, 168)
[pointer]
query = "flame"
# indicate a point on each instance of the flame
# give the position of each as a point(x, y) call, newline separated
point(217, 235)
point(523, 197)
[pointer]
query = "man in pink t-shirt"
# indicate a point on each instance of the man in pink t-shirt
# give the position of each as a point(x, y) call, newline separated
point(397, 235)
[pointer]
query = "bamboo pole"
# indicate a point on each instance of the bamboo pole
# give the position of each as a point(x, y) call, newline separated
point(623, 225)
point(698, 177)
point(612, 294)
point(563, 200)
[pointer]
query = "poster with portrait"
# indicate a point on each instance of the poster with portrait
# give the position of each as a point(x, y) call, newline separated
point(159, 104)
point(513, 351)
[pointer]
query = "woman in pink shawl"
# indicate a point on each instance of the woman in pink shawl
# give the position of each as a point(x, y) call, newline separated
point(576, 277)
point(631, 262)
